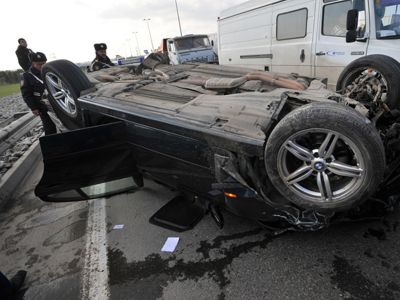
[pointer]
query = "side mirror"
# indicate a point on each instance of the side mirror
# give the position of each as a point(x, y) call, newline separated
point(212, 43)
point(352, 19)
point(351, 25)
point(351, 36)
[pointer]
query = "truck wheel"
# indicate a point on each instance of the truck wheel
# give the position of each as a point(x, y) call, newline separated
point(361, 79)
point(64, 81)
point(325, 156)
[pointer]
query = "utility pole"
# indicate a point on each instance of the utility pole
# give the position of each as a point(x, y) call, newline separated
point(137, 43)
point(129, 44)
point(179, 20)
point(151, 39)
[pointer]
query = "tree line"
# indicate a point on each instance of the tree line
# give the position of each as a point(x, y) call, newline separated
point(7, 77)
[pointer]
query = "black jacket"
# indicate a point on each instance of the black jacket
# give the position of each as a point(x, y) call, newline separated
point(23, 57)
point(100, 63)
point(32, 89)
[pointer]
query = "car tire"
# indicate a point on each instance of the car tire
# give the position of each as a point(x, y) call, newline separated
point(388, 67)
point(64, 82)
point(337, 176)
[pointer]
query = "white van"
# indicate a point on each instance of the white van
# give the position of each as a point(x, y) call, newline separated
point(309, 36)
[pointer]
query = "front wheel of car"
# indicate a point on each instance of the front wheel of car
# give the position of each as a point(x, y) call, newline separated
point(371, 78)
point(64, 81)
point(325, 156)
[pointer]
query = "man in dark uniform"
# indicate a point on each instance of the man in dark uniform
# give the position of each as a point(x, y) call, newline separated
point(101, 61)
point(32, 89)
point(23, 54)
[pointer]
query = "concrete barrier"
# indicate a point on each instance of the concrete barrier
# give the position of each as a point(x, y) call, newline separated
point(14, 126)
point(11, 180)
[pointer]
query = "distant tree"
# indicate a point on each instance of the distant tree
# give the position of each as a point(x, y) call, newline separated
point(7, 77)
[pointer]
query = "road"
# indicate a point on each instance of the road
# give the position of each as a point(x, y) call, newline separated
point(71, 251)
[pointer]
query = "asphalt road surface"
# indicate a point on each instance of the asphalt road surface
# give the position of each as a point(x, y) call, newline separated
point(71, 251)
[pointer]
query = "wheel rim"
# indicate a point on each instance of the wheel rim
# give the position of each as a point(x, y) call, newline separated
point(366, 85)
point(321, 166)
point(61, 94)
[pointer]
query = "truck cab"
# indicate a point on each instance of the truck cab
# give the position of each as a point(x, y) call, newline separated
point(307, 37)
point(190, 48)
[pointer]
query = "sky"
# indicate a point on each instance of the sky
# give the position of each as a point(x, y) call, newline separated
point(67, 29)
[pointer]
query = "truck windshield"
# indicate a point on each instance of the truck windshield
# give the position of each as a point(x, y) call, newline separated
point(387, 19)
point(192, 42)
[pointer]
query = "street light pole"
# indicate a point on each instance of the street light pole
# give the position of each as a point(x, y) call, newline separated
point(179, 20)
point(129, 44)
point(137, 43)
point(148, 27)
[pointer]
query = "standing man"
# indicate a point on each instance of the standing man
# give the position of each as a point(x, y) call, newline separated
point(101, 61)
point(23, 54)
point(32, 89)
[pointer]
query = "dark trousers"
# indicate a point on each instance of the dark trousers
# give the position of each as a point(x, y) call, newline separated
point(5, 287)
point(48, 125)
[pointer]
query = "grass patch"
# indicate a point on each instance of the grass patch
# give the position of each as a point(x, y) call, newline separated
point(9, 89)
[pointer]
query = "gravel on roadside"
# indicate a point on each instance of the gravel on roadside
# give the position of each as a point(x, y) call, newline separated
point(9, 106)
point(11, 155)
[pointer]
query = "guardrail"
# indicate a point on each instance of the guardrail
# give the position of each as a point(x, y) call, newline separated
point(10, 135)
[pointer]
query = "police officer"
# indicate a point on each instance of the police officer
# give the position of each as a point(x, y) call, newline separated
point(101, 61)
point(23, 54)
point(32, 89)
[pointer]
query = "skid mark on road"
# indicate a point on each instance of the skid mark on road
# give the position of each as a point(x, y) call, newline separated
point(53, 215)
point(67, 234)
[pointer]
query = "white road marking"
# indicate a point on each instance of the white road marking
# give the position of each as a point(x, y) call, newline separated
point(95, 283)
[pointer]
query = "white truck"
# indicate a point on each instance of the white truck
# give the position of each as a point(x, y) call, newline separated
point(188, 48)
point(309, 37)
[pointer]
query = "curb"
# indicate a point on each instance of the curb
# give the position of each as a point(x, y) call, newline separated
point(10, 182)
point(14, 126)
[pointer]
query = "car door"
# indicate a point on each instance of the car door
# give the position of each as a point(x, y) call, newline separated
point(292, 37)
point(87, 163)
point(332, 53)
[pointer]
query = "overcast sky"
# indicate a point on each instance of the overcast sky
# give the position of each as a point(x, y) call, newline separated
point(67, 29)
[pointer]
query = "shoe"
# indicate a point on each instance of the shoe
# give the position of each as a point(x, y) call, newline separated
point(18, 280)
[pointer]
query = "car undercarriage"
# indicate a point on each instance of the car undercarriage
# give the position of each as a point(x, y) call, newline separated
point(279, 149)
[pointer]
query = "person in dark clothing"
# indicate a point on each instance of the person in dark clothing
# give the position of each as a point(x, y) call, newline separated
point(23, 54)
point(9, 288)
point(32, 89)
point(102, 61)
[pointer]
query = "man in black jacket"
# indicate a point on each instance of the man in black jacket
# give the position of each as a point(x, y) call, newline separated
point(32, 89)
point(101, 61)
point(23, 54)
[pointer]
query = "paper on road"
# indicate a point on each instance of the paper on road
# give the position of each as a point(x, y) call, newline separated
point(170, 244)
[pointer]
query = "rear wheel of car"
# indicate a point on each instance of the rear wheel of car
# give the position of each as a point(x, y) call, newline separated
point(367, 76)
point(325, 156)
point(64, 81)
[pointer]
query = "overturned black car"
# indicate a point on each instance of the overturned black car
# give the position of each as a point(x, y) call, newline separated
point(280, 149)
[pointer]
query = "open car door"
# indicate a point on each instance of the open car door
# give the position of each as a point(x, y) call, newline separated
point(87, 163)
